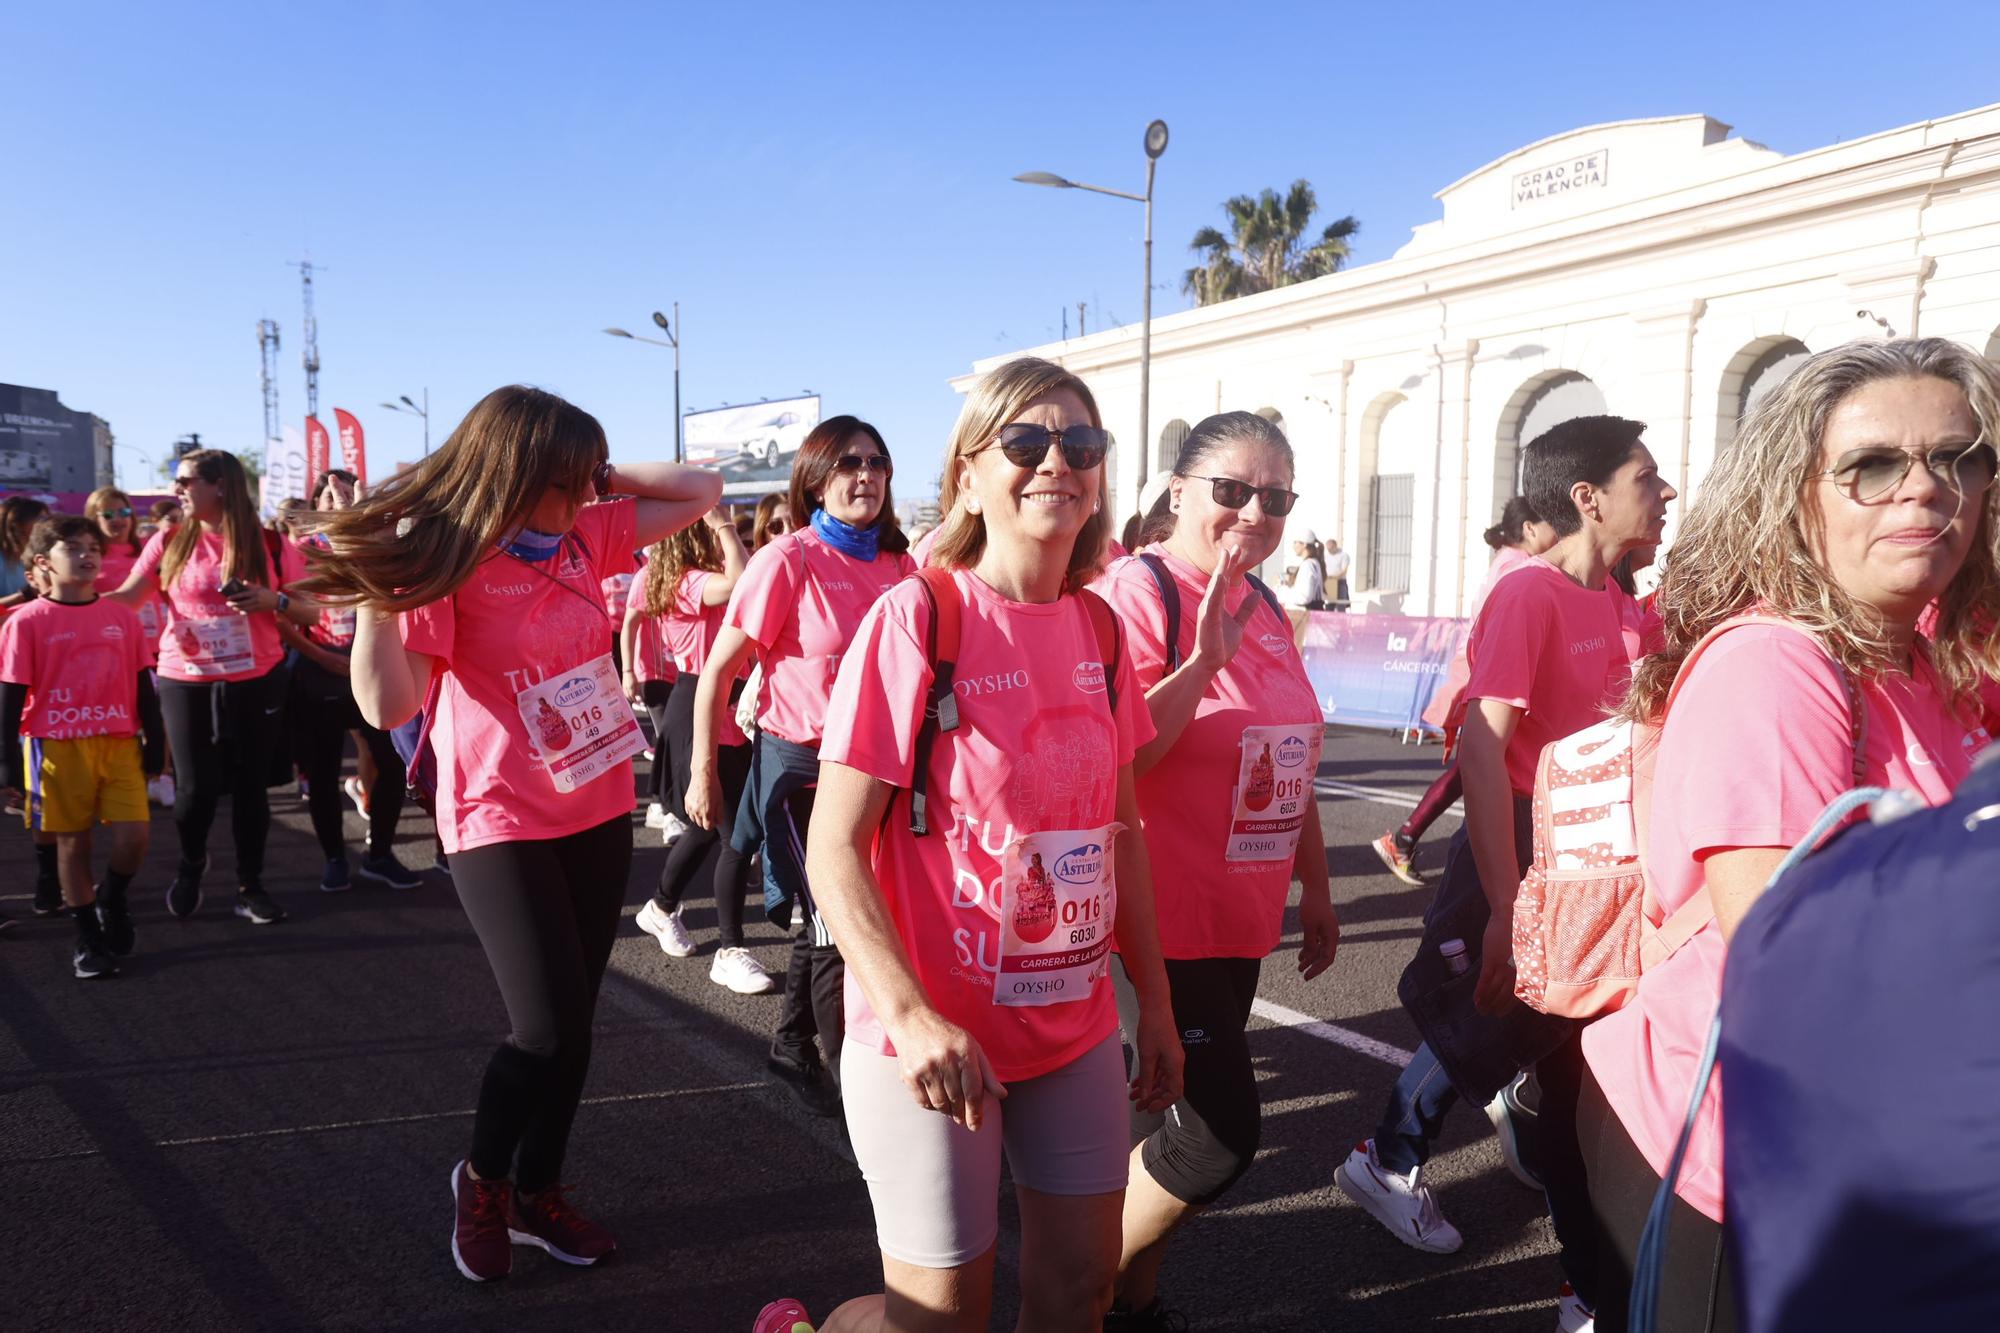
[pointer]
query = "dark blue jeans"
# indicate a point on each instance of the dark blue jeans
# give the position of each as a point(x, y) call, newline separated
point(1464, 1053)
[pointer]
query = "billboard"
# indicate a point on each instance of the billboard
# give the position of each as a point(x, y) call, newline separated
point(46, 446)
point(750, 442)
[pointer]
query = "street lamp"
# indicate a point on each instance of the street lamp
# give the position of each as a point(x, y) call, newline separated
point(410, 409)
point(672, 329)
point(1156, 144)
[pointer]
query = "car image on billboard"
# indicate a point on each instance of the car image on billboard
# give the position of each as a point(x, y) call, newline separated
point(750, 438)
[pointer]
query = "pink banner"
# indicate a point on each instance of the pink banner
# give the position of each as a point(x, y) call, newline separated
point(319, 450)
point(353, 448)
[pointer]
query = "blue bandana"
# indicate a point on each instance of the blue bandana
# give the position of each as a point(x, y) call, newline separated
point(861, 543)
point(532, 546)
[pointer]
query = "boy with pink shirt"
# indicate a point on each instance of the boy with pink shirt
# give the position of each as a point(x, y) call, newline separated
point(74, 681)
point(1547, 658)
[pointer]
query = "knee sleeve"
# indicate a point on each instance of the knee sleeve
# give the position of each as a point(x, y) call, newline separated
point(1196, 1157)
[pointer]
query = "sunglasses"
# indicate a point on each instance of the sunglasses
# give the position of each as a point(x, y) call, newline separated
point(1233, 494)
point(855, 462)
point(1869, 474)
point(1026, 445)
point(114, 513)
point(775, 525)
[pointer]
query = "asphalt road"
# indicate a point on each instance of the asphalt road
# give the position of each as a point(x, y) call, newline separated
point(252, 1127)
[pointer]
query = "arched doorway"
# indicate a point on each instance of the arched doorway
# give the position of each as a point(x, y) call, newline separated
point(1544, 401)
point(1751, 374)
point(1395, 443)
point(1172, 436)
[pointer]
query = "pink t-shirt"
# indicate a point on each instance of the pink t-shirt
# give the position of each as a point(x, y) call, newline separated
point(186, 654)
point(1552, 649)
point(81, 665)
point(617, 588)
point(689, 629)
point(801, 600)
point(651, 660)
point(114, 566)
point(1036, 749)
point(1759, 743)
point(514, 624)
point(1210, 907)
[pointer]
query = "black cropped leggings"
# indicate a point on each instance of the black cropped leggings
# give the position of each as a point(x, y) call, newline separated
point(697, 856)
point(546, 913)
point(224, 735)
point(323, 713)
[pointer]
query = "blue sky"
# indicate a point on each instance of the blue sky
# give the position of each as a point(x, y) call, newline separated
point(825, 189)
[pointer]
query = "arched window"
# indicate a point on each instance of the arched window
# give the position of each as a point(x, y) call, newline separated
point(1400, 444)
point(1543, 402)
point(1768, 371)
point(1172, 436)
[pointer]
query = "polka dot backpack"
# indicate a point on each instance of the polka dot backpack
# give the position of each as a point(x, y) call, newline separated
point(1586, 922)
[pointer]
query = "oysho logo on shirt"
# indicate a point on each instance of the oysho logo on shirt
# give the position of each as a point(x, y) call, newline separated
point(996, 682)
point(1583, 646)
point(509, 589)
point(1088, 677)
point(836, 585)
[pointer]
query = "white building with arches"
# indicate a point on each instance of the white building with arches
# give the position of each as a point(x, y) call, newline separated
point(1655, 269)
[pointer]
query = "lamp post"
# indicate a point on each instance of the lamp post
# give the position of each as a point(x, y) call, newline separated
point(672, 328)
point(410, 409)
point(1156, 144)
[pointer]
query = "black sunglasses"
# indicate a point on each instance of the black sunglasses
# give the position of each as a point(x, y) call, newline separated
point(855, 462)
point(775, 525)
point(1233, 494)
point(1026, 444)
point(1870, 474)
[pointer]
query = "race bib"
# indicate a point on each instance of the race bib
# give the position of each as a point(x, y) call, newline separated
point(336, 626)
point(1274, 792)
point(1058, 898)
point(149, 620)
point(580, 725)
point(218, 647)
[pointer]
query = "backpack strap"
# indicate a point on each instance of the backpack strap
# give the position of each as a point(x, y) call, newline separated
point(1270, 598)
point(1110, 642)
point(941, 701)
point(1170, 602)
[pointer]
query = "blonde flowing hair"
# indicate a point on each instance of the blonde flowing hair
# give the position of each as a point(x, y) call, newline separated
point(108, 497)
point(996, 400)
point(1748, 538)
point(243, 550)
point(417, 537)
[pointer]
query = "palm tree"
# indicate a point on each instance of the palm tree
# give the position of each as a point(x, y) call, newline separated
point(1267, 246)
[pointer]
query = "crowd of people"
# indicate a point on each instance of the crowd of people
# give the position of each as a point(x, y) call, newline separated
point(1032, 803)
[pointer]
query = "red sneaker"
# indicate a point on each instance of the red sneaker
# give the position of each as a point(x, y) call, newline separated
point(479, 1236)
point(547, 1220)
point(786, 1316)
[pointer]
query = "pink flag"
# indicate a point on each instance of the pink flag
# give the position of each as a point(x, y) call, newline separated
point(353, 448)
point(319, 448)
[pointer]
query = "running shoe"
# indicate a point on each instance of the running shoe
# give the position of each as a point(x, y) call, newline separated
point(1396, 853)
point(48, 895)
point(479, 1241)
point(656, 815)
point(548, 1222)
point(786, 1316)
point(184, 894)
point(92, 960)
point(666, 927)
point(357, 794)
point(1508, 1114)
point(1572, 1315)
point(114, 919)
point(1153, 1319)
point(335, 878)
point(255, 906)
point(1401, 1203)
point(739, 970)
point(386, 869)
point(670, 832)
point(160, 790)
point(810, 1083)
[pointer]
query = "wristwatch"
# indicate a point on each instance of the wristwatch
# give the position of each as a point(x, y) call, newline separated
point(601, 478)
point(284, 603)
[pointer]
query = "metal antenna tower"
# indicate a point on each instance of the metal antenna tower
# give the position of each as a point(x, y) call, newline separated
point(267, 346)
point(310, 356)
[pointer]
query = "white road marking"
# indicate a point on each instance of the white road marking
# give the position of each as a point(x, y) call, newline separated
point(1379, 795)
point(1339, 1036)
point(331, 1126)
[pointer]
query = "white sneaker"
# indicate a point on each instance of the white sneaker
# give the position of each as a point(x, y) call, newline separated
point(1401, 1203)
point(672, 828)
point(667, 929)
point(160, 790)
point(1501, 1111)
point(656, 815)
point(357, 794)
point(737, 969)
point(1572, 1315)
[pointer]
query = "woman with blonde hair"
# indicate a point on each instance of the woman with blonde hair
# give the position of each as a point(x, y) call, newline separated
point(476, 578)
point(979, 1027)
point(1857, 501)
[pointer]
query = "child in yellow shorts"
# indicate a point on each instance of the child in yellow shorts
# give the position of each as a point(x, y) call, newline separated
point(80, 731)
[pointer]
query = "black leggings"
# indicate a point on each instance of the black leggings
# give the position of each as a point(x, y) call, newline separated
point(323, 713)
point(1208, 1139)
point(1599, 1196)
point(696, 856)
point(224, 735)
point(658, 697)
point(546, 913)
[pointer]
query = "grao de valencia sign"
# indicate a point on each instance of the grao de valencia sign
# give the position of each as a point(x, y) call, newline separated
point(1585, 171)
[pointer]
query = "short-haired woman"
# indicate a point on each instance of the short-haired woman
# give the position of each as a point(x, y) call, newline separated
point(1857, 497)
point(983, 1022)
point(476, 578)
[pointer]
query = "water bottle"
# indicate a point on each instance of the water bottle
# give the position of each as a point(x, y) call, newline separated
point(1453, 952)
